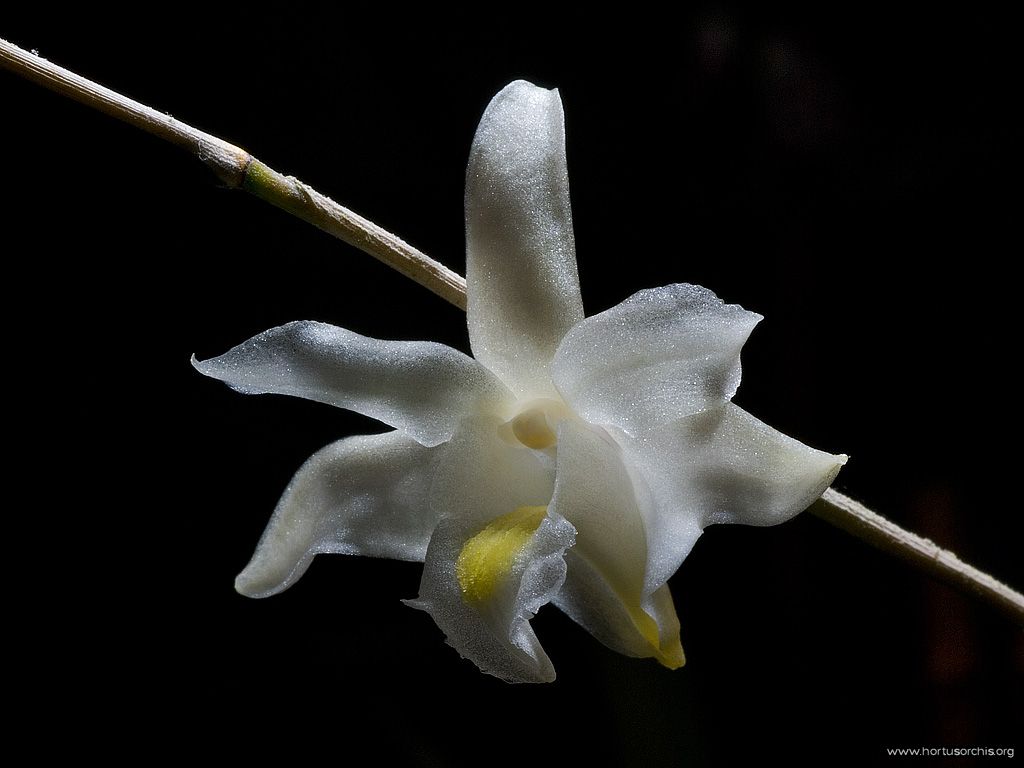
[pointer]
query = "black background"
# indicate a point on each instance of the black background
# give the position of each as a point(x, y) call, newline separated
point(844, 174)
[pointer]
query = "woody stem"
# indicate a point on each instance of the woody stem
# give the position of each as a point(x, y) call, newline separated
point(238, 169)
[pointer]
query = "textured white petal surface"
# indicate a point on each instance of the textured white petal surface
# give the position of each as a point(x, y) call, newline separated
point(605, 587)
point(364, 495)
point(420, 387)
point(523, 288)
point(496, 635)
point(593, 491)
point(660, 355)
point(721, 466)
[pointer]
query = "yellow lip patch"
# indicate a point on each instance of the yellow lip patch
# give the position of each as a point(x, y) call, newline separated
point(487, 558)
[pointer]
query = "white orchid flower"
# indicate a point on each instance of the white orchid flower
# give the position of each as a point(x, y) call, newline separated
point(574, 461)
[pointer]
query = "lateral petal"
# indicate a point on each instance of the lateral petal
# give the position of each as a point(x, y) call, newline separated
point(722, 466)
point(420, 387)
point(363, 495)
point(660, 355)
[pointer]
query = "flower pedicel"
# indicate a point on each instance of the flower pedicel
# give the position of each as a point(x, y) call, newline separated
point(574, 461)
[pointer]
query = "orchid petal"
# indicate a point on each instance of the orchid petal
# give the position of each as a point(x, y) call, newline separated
point(420, 387)
point(522, 284)
point(722, 466)
point(587, 599)
point(605, 588)
point(359, 496)
point(493, 631)
point(660, 355)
